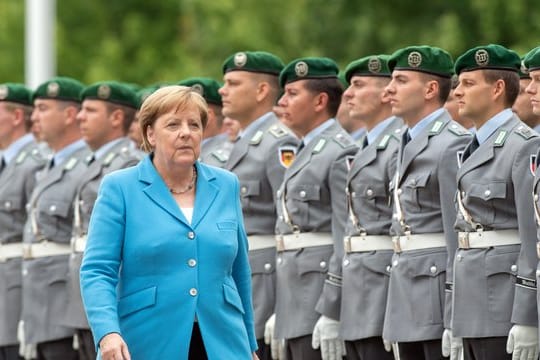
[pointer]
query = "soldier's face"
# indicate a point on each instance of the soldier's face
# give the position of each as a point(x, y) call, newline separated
point(298, 104)
point(522, 106)
point(406, 92)
point(364, 97)
point(474, 96)
point(95, 123)
point(176, 136)
point(238, 95)
point(533, 89)
point(7, 123)
point(50, 117)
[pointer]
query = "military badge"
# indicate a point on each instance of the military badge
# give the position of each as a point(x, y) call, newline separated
point(103, 92)
point(53, 89)
point(287, 155)
point(374, 65)
point(4, 92)
point(198, 88)
point(240, 59)
point(533, 163)
point(414, 59)
point(301, 69)
point(523, 68)
point(481, 57)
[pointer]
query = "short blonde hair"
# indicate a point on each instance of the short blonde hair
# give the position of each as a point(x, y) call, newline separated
point(167, 99)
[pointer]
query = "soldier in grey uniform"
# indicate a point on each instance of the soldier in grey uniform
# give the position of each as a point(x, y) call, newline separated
point(108, 108)
point(522, 106)
point(367, 243)
point(423, 193)
point(250, 90)
point(531, 62)
point(355, 128)
point(20, 160)
point(311, 215)
point(215, 147)
point(47, 232)
point(494, 271)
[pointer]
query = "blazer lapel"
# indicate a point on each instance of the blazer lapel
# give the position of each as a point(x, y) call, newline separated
point(205, 195)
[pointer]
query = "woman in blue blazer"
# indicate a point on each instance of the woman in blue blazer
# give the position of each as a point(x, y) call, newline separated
point(165, 274)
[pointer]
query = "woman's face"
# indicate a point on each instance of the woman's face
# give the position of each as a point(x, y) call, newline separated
point(176, 136)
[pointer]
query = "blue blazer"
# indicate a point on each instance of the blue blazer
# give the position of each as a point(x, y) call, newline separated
point(147, 272)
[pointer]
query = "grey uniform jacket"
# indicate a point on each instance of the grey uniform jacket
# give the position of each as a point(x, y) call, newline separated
point(314, 197)
point(17, 180)
point(366, 274)
point(427, 168)
point(216, 151)
point(255, 159)
point(495, 287)
point(44, 278)
point(120, 156)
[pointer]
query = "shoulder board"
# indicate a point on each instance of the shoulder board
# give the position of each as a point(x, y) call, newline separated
point(21, 157)
point(458, 130)
point(343, 141)
point(437, 127)
point(525, 131)
point(220, 156)
point(71, 163)
point(320, 145)
point(277, 131)
point(109, 158)
point(501, 138)
point(256, 139)
point(384, 142)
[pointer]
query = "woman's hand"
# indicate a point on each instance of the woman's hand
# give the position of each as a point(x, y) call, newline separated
point(255, 357)
point(113, 347)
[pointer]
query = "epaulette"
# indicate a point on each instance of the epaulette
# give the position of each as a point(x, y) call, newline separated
point(436, 128)
point(384, 142)
point(501, 138)
point(220, 156)
point(319, 146)
point(343, 141)
point(109, 158)
point(277, 131)
point(458, 130)
point(21, 157)
point(525, 131)
point(256, 139)
point(71, 163)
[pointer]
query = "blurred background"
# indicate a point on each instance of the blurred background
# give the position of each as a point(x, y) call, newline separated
point(153, 41)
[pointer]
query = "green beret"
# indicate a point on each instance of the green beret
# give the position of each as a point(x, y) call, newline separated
point(111, 91)
point(531, 60)
point(253, 61)
point(427, 59)
point(308, 68)
point(17, 93)
point(376, 65)
point(60, 88)
point(488, 57)
point(146, 92)
point(523, 71)
point(206, 87)
point(342, 80)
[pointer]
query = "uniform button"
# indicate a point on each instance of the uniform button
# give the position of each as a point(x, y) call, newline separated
point(25, 272)
point(191, 235)
point(302, 193)
point(52, 208)
point(463, 194)
point(322, 264)
point(193, 292)
point(7, 204)
point(278, 193)
point(433, 269)
point(27, 207)
point(281, 217)
point(243, 189)
point(192, 262)
point(353, 194)
point(369, 192)
point(267, 266)
point(459, 258)
point(388, 268)
point(537, 273)
point(413, 181)
point(487, 192)
point(399, 191)
point(395, 263)
point(513, 268)
point(346, 262)
point(535, 197)
point(279, 260)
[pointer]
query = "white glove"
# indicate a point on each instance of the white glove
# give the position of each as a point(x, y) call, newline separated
point(523, 342)
point(27, 351)
point(277, 346)
point(325, 335)
point(452, 346)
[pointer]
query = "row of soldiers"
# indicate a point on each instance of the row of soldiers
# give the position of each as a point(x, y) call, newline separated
point(367, 228)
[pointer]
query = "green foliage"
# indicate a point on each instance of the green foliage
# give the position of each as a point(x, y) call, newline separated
point(146, 42)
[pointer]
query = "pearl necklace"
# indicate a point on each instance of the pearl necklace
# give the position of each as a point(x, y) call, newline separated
point(190, 186)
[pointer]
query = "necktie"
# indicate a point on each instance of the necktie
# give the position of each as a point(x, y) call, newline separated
point(474, 145)
point(365, 142)
point(2, 164)
point(50, 165)
point(300, 147)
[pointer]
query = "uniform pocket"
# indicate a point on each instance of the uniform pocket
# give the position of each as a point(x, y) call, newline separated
point(491, 198)
point(416, 192)
point(501, 279)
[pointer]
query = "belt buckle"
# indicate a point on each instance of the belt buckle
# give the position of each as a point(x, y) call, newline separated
point(280, 244)
point(396, 244)
point(463, 240)
point(27, 251)
point(347, 244)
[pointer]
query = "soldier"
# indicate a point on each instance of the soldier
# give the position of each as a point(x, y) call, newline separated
point(108, 108)
point(47, 231)
point(259, 159)
point(19, 162)
point(354, 128)
point(522, 106)
point(451, 105)
point(311, 218)
point(368, 246)
point(423, 193)
point(494, 286)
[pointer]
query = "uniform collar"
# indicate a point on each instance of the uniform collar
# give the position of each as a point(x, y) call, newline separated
point(374, 133)
point(492, 125)
point(422, 124)
point(318, 130)
point(12, 150)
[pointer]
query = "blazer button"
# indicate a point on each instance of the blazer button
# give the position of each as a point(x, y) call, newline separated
point(192, 262)
point(191, 235)
point(193, 292)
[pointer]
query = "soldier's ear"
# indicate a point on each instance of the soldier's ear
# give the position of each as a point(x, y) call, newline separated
point(431, 90)
point(263, 90)
point(499, 89)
